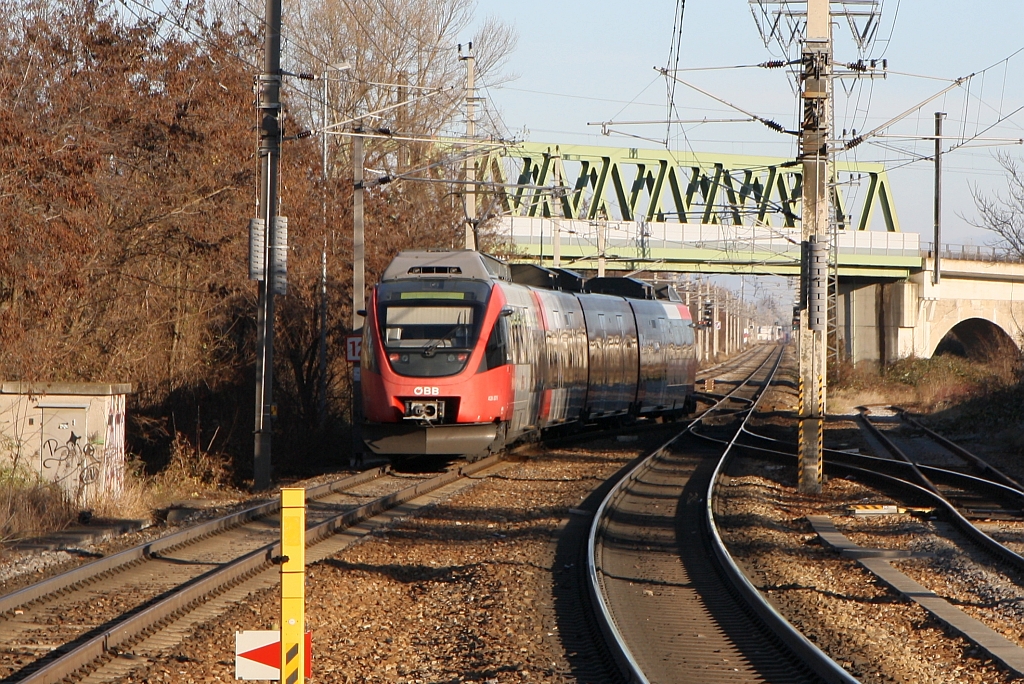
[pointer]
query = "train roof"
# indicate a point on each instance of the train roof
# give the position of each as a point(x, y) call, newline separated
point(623, 287)
point(547, 278)
point(463, 263)
point(569, 281)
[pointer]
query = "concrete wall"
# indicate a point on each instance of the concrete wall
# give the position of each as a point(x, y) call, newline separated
point(859, 332)
point(886, 321)
point(70, 433)
point(968, 289)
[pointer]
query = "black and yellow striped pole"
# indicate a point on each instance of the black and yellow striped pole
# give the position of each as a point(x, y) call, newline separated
point(815, 157)
point(293, 585)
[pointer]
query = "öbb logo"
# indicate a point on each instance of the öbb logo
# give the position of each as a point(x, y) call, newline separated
point(426, 391)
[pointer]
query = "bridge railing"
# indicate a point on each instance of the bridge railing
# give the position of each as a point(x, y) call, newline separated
point(973, 253)
point(733, 240)
point(878, 243)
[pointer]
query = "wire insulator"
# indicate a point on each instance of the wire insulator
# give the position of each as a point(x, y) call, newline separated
point(772, 64)
point(306, 76)
point(304, 134)
point(859, 65)
point(777, 127)
point(854, 142)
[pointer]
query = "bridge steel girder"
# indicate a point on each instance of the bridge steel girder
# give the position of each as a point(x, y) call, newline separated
point(701, 248)
point(660, 185)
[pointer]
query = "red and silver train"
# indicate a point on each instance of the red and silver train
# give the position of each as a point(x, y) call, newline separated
point(462, 354)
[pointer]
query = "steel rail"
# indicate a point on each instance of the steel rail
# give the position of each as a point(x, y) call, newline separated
point(222, 578)
point(872, 465)
point(621, 652)
point(871, 470)
point(863, 411)
point(794, 640)
point(142, 552)
point(966, 526)
point(977, 462)
point(945, 475)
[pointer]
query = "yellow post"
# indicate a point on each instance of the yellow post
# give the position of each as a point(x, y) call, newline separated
point(293, 585)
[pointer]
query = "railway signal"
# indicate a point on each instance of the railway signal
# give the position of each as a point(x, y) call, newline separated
point(708, 315)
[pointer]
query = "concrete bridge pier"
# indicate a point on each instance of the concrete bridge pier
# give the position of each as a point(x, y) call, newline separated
point(975, 310)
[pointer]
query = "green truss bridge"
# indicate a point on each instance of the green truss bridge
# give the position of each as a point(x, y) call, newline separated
point(637, 209)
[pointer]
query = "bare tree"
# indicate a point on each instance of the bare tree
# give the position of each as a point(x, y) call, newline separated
point(1004, 215)
point(127, 156)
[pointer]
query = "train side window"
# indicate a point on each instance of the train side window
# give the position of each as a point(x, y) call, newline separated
point(496, 353)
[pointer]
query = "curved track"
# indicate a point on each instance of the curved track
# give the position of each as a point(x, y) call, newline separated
point(921, 484)
point(956, 496)
point(674, 605)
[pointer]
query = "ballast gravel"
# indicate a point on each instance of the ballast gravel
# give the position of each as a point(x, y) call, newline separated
point(839, 605)
point(463, 591)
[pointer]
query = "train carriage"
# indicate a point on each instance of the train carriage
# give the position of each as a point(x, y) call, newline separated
point(460, 357)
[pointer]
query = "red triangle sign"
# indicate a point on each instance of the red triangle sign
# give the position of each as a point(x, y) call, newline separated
point(270, 654)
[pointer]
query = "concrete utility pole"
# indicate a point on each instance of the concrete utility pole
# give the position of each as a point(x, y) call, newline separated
point(270, 281)
point(358, 286)
point(358, 248)
point(715, 324)
point(814, 153)
point(322, 384)
point(939, 116)
point(470, 164)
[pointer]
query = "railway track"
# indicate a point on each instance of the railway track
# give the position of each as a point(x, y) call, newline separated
point(963, 498)
point(101, 620)
point(120, 629)
point(672, 603)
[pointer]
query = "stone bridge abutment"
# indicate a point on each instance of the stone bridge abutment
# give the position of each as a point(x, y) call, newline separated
point(976, 309)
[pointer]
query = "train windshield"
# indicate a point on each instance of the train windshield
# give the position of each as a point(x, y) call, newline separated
point(430, 326)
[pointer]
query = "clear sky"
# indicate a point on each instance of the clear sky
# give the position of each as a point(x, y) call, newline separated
point(584, 62)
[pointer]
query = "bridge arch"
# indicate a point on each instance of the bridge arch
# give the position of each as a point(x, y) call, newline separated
point(976, 338)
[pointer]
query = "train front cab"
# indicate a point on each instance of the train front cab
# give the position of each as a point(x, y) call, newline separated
point(431, 383)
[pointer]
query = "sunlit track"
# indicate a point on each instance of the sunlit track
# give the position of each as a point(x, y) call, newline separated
point(915, 484)
point(107, 646)
point(922, 484)
point(980, 465)
point(964, 496)
point(673, 604)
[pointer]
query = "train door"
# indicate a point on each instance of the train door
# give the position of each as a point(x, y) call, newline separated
point(625, 391)
point(524, 343)
point(600, 377)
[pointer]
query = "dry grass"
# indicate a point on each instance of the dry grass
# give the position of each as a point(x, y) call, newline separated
point(29, 506)
point(190, 474)
point(924, 385)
